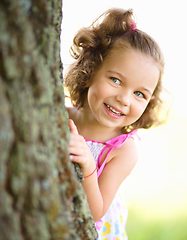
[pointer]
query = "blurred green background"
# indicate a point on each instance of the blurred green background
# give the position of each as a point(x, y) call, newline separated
point(156, 190)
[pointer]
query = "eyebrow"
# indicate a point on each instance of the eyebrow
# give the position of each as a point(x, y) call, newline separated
point(122, 76)
point(119, 74)
point(147, 90)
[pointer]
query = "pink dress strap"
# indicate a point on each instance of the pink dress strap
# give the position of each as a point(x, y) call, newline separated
point(111, 144)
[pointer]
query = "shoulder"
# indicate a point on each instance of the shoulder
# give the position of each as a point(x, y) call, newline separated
point(129, 149)
point(129, 144)
point(126, 155)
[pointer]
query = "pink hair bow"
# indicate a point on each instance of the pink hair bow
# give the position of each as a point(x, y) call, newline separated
point(133, 25)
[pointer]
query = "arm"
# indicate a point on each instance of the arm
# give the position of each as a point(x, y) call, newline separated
point(100, 192)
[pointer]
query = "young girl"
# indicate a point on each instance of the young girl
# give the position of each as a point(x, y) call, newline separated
point(114, 86)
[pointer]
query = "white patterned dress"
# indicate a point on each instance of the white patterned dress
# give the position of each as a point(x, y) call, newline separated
point(112, 225)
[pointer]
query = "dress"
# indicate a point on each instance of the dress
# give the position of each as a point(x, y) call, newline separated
point(112, 225)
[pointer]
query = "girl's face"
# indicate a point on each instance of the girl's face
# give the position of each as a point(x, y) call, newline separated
point(122, 88)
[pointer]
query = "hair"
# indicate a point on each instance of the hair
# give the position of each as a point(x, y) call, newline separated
point(91, 46)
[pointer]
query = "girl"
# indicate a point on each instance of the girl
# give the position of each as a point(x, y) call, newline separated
point(114, 86)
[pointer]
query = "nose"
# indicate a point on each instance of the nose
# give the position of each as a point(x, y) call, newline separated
point(124, 98)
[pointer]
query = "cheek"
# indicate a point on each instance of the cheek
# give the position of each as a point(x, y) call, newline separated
point(93, 97)
point(140, 109)
point(92, 94)
point(97, 92)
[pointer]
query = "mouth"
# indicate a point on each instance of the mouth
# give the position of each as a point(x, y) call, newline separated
point(114, 111)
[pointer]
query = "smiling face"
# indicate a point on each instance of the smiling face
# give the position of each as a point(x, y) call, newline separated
point(122, 88)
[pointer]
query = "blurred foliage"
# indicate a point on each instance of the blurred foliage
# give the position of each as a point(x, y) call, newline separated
point(144, 224)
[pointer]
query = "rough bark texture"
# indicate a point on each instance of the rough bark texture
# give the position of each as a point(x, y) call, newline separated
point(40, 196)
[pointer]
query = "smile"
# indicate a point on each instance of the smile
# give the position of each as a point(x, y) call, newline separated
point(111, 109)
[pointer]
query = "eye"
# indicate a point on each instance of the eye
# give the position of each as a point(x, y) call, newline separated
point(139, 94)
point(115, 80)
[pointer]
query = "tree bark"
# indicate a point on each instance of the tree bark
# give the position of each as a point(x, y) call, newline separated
point(40, 195)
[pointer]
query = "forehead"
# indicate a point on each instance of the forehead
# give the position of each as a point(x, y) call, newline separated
point(135, 66)
point(122, 56)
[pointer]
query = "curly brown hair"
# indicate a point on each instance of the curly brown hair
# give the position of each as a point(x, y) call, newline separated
point(91, 45)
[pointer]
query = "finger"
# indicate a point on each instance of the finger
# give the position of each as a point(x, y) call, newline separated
point(76, 150)
point(72, 126)
point(77, 140)
point(76, 158)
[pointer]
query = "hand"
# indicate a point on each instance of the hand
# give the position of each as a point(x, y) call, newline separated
point(81, 154)
point(79, 150)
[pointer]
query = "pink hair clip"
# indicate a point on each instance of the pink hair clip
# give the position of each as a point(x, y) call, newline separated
point(133, 26)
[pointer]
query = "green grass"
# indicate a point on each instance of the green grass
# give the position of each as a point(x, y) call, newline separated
point(145, 224)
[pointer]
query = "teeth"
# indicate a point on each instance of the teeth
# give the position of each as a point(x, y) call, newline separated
point(113, 110)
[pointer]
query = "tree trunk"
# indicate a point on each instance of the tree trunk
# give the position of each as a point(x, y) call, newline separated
point(40, 195)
